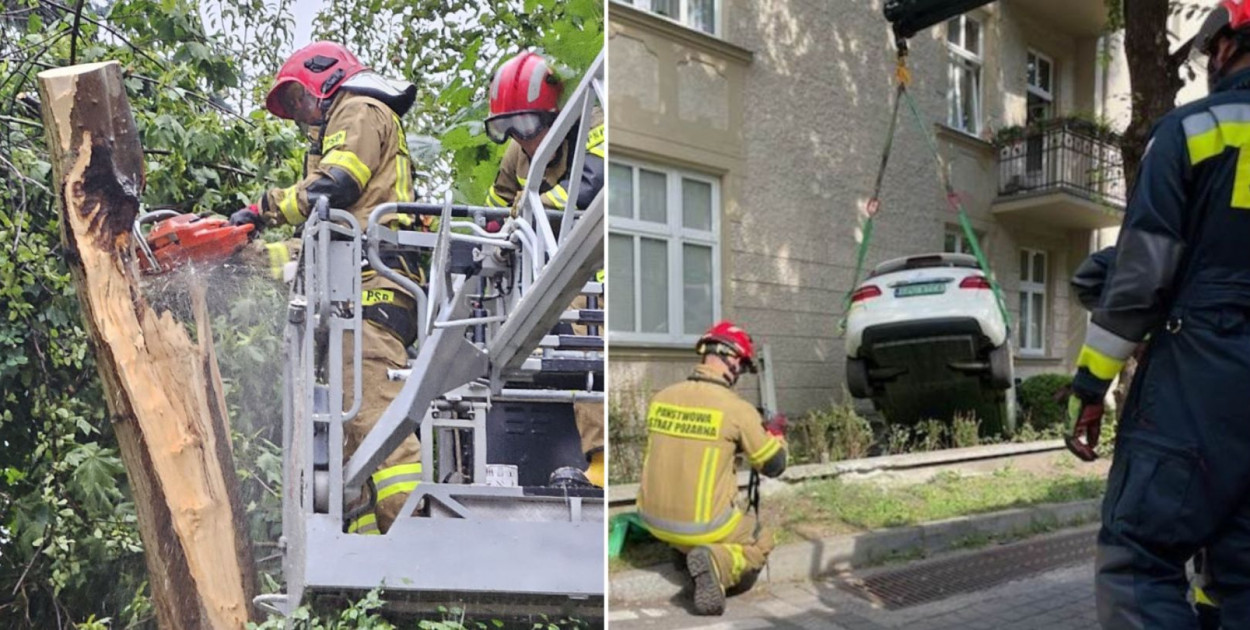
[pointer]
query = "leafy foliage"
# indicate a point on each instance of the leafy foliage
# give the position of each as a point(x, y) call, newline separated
point(1038, 400)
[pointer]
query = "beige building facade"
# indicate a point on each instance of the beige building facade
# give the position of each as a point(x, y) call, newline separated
point(745, 140)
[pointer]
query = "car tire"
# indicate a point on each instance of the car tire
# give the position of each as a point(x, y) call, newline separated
point(1001, 376)
point(857, 378)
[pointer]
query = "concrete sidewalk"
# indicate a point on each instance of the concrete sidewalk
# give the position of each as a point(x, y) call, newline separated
point(811, 560)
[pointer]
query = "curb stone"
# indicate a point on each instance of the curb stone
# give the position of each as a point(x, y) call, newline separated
point(815, 558)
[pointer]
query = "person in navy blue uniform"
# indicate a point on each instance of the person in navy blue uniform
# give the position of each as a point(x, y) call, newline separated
point(1180, 479)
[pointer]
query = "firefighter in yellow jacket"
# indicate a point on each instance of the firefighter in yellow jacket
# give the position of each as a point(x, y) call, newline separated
point(689, 485)
point(358, 159)
point(524, 102)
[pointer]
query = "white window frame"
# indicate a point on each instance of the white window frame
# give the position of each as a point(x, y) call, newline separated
point(676, 235)
point(1037, 89)
point(960, 55)
point(683, 17)
point(961, 241)
point(1035, 290)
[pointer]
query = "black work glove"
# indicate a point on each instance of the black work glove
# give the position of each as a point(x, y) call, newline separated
point(249, 215)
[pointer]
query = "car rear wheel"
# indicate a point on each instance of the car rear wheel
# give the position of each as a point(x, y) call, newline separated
point(857, 378)
point(1001, 376)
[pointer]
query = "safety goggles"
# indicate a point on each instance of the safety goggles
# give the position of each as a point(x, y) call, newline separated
point(521, 125)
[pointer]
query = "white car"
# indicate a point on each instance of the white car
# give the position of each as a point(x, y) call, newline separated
point(924, 331)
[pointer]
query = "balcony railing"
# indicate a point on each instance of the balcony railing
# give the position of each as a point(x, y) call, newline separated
point(1062, 156)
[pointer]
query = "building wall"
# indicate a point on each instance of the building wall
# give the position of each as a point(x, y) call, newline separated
point(812, 97)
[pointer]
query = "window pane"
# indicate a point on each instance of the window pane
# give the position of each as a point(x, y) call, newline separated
point(653, 195)
point(972, 36)
point(1032, 71)
point(701, 14)
point(654, 285)
point(955, 97)
point(954, 31)
point(1036, 322)
point(666, 7)
point(696, 204)
point(951, 246)
point(1044, 75)
point(1024, 320)
point(621, 282)
point(621, 191)
point(1024, 265)
point(1039, 267)
point(696, 271)
point(969, 89)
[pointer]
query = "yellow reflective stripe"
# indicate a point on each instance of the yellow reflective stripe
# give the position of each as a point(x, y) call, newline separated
point(349, 162)
point(739, 562)
point(403, 180)
point(1201, 598)
point(706, 486)
point(694, 540)
point(366, 524)
point(494, 200)
point(595, 137)
point(399, 130)
point(1100, 365)
point(597, 151)
point(555, 201)
point(521, 180)
point(766, 451)
point(289, 206)
point(404, 487)
point(599, 276)
point(333, 140)
point(279, 255)
point(395, 471)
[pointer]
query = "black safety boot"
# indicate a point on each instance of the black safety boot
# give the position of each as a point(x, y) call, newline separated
point(709, 597)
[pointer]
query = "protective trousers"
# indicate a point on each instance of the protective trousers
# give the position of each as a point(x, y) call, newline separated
point(589, 416)
point(398, 474)
point(1180, 478)
point(740, 553)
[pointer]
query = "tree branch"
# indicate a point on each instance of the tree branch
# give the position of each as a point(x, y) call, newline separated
point(73, 38)
point(217, 165)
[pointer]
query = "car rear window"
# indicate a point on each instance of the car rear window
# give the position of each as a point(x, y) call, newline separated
point(925, 261)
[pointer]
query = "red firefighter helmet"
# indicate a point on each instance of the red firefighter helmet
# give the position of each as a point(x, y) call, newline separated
point(725, 337)
point(524, 97)
point(320, 67)
point(1229, 16)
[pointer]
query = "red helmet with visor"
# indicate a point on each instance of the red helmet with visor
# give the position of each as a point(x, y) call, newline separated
point(524, 98)
point(321, 68)
point(726, 338)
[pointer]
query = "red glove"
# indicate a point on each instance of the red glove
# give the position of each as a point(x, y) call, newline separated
point(492, 226)
point(777, 425)
point(1084, 426)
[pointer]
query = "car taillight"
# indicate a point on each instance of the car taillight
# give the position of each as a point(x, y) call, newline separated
point(974, 282)
point(865, 292)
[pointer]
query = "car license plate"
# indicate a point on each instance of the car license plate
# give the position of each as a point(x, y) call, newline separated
point(912, 290)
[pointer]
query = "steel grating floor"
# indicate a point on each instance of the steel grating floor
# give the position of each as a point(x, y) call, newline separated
point(935, 580)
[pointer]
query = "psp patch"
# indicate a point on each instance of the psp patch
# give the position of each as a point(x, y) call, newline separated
point(695, 423)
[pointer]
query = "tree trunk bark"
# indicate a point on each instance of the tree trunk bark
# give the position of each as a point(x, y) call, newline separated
point(163, 390)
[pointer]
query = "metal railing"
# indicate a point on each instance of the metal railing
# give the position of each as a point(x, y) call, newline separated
point(1062, 157)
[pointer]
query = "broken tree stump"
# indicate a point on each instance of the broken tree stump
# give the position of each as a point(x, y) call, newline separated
point(163, 390)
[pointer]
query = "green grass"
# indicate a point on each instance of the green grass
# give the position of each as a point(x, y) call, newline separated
point(822, 508)
point(868, 506)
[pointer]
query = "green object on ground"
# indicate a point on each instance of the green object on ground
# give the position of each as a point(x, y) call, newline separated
point(625, 527)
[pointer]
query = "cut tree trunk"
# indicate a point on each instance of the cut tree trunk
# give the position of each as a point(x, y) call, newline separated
point(163, 390)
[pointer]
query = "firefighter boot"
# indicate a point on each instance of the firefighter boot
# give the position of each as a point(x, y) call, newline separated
point(709, 597)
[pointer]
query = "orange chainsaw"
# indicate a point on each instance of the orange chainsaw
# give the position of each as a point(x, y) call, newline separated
point(177, 239)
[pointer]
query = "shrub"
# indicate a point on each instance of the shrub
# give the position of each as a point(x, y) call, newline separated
point(1037, 400)
point(930, 435)
point(965, 430)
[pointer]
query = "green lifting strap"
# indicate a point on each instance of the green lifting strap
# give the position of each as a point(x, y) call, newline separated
point(874, 202)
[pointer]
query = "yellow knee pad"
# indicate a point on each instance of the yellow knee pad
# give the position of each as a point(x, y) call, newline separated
point(595, 472)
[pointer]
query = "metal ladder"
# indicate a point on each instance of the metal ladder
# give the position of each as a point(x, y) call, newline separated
point(484, 336)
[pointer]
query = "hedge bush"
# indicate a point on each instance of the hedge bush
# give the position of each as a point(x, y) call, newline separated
point(1037, 400)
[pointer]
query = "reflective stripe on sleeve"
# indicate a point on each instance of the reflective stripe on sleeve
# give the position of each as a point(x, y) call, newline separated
point(349, 162)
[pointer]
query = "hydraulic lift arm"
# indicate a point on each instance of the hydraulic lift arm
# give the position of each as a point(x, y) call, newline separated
point(912, 16)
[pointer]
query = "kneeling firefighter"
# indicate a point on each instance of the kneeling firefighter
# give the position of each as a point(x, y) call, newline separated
point(358, 159)
point(1180, 478)
point(689, 485)
point(524, 102)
